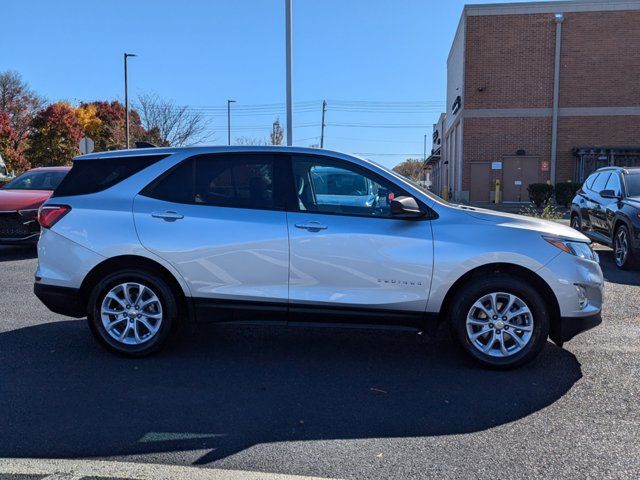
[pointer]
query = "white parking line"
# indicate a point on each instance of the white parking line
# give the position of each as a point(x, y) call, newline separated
point(59, 469)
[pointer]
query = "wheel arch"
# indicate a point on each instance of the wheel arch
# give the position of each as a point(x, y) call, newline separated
point(541, 285)
point(121, 262)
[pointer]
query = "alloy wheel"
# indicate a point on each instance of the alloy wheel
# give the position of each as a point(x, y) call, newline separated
point(131, 313)
point(575, 222)
point(499, 324)
point(621, 247)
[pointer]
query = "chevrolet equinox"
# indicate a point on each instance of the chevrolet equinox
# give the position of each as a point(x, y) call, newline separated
point(140, 241)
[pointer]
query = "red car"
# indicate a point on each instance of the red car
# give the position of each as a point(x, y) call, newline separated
point(20, 200)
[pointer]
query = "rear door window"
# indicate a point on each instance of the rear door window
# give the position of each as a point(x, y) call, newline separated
point(91, 176)
point(230, 180)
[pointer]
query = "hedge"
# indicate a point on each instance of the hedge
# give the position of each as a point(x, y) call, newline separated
point(540, 193)
point(565, 192)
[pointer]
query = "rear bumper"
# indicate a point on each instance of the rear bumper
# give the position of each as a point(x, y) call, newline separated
point(62, 300)
point(572, 326)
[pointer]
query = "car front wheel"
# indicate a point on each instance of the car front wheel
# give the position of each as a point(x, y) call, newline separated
point(132, 313)
point(576, 222)
point(500, 320)
point(622, 250)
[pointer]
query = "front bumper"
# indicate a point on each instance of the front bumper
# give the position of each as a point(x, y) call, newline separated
point(569, 327)
point(62, 300)
point(28, 240)
point(19, 228)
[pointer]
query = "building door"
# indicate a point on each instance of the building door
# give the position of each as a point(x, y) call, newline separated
point(480, 182)
point(517, 174)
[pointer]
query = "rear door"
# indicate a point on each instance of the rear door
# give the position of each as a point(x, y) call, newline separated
point(220, 220)
point(348, 254)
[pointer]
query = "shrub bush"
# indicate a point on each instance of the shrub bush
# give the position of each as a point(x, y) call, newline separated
point(540, 193)
point(565, 192)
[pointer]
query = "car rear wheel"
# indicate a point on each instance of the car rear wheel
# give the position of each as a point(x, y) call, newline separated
point(500, 320)
point(623, 253)
point(132, 313)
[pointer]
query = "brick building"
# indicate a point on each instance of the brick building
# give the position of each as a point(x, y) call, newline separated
point(541, 91)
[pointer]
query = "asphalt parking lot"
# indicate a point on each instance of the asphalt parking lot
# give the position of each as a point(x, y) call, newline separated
point(317, 402)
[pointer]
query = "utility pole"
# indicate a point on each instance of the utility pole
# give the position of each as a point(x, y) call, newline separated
point(425, 148)
point(424, 157)
point(288, 75)
point(229, 102)
point(324, 110)
point(126, 99)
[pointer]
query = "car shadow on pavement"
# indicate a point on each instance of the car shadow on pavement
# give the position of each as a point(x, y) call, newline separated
point(10, 253)
point(231, 387)
point(614, 274)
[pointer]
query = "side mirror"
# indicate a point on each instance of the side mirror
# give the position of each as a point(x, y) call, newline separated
point(405, 207)
point(608, 194)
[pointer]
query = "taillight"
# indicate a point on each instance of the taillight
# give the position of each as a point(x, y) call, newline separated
point(49, 215)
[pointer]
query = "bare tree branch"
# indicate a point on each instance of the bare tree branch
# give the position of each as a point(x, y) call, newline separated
point(173, 124)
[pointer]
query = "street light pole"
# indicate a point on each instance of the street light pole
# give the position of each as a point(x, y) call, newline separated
point(229, 102)
point(126, 99)
point(288, 62)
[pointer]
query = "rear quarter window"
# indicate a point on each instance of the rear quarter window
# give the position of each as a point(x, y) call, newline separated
point(91, 176)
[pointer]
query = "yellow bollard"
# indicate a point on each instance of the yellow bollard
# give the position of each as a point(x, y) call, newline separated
point(445, 192)
point(496, 198)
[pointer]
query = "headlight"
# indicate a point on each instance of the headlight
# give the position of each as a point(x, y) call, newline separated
point(579, 249)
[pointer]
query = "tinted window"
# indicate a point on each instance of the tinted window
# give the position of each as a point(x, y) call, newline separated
point(613, 184)
point(91, 176)
point(632, 182)
point(37, 180)
point(244, 181)
point(327, 186)
point(600, 182)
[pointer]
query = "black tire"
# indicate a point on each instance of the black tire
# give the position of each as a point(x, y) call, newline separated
point(628, 261)
point(576, 222)
point(169, 320)
point(480, 286)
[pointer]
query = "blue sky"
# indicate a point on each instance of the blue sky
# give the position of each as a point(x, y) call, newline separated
point(200, 53)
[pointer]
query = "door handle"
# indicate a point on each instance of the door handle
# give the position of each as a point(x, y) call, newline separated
point(311, 226)
point(169, 216)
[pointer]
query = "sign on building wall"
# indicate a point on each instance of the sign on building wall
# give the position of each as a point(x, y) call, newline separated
point(496, 165)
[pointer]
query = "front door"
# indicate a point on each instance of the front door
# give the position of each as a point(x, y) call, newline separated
point(220, 221)
point(518, 172)
point(347, 251)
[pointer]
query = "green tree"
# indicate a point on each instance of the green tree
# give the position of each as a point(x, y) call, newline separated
point(55, 133)
point(410, 168)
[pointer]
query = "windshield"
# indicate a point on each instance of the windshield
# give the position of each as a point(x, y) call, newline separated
point(633, 184)
point(37, 180)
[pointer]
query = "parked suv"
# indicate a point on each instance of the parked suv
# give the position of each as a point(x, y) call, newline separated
point(141, 241)
point(607, 210)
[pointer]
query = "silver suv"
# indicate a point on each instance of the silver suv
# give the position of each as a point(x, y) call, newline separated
point(141, 241)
